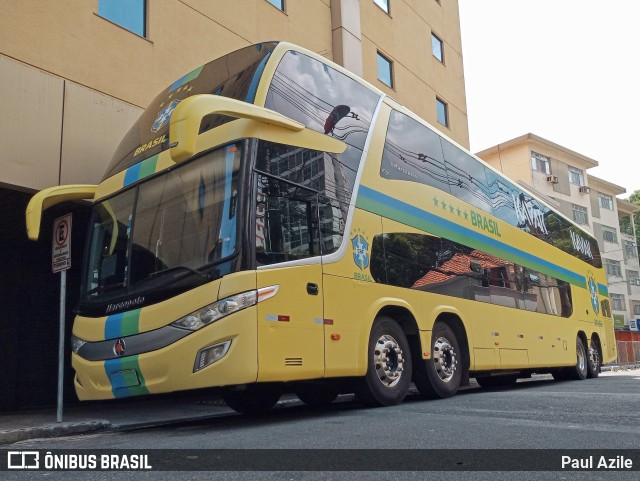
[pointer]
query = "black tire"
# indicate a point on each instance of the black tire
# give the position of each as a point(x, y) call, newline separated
point(317, 394)
point(577, 372)
point(388, 375)
point(594, 359)
point(440, 376)
point(497, 381)
point(256, 399)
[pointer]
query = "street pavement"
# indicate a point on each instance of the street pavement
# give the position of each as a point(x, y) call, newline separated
point(135, 413)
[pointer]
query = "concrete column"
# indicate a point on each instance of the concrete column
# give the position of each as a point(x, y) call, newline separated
point(347, 35)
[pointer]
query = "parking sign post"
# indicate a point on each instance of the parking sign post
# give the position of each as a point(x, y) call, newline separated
point(61, 261)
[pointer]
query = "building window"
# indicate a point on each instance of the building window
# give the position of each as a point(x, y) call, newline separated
point(612, 268)
point(129, 14)
point(383, 4)
point(609, 234)
point(580, 215)
point(633, 278)
point(617, 302)
point(636, 309)
point(442, 112)
point(576, 176)
point(540, 163)
point(626, 226)
point(385, 70)
point(437, 47)
point(606, 201)
point(630, 249)
point(279, 4)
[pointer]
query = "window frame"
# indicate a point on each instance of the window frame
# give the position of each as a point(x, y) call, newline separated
point(383, 5)
point(605, 199)
point(617, 302)
point(575, 208)
point(576, 174)
point(612, 265)
point(445, 105)
point(282, 2)
point(539, 159)
point(440, 44)
point(145, 18)
point(630, 249)
point(381, 57)
point(612, 232)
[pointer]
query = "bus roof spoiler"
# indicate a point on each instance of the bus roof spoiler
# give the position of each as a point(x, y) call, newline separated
point(49, 197)
point(184, 126)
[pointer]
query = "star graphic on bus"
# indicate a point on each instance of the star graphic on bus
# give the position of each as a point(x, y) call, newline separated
point(360, 251)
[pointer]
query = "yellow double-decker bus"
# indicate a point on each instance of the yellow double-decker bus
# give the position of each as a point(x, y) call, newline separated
point(274, 223)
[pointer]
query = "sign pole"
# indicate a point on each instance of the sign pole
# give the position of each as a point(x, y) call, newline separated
point(61, 261)
point(63, 299)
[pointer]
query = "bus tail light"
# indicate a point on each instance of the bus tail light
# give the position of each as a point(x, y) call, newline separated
point(210, 354)
point(222, 308)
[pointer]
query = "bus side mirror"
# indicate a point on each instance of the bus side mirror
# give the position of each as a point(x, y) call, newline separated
point(184, 126)
point(49, 197)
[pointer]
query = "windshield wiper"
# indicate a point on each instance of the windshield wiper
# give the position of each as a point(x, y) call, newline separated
point(153, 275)
point(103, 289)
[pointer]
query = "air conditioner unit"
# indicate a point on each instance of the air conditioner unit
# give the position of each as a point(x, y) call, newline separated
point(553, 179)
point(584, 189)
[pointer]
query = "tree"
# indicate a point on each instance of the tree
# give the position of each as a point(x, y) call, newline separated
point(635, 198)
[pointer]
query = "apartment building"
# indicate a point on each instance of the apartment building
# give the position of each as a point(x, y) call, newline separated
point(559, 175)
point(75, 75)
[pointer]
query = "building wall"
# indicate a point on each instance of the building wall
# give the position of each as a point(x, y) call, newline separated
point(513, 158)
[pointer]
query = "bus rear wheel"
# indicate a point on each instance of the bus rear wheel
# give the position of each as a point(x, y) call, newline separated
point(579, 371)
point(389, 365)
point(594, 361)
point(440, 376)
point(255, 399)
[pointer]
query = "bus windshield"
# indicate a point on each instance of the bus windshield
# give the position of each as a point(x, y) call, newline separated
point(170, 233)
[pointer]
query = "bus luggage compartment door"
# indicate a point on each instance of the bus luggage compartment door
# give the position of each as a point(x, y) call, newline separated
point(290, 325)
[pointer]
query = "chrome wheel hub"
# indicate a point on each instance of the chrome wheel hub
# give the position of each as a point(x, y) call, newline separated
point(445, 359)
point(582, 357)
point(388, 360)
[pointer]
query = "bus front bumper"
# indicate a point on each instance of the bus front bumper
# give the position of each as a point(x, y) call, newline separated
point(172, 367)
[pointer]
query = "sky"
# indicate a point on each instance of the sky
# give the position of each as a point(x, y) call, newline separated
point(565, 70)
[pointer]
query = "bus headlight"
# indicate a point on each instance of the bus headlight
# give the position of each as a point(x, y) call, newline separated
point(224, 307)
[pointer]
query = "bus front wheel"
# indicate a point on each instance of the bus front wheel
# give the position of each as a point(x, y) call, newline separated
point(440, 376)
point(389, 365)
point(255, 399)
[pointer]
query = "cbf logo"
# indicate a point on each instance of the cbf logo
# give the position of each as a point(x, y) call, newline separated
point(360, 251)
point(164, 115)
point(593, 291)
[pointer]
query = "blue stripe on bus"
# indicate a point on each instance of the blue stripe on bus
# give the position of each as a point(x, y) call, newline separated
point(253, 87)
point(603, 290)
point(228, 223)
point(442, 225)
point(132, 174)
point(112, 327)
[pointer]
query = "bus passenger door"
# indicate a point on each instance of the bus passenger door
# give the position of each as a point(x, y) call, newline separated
point(290, 323)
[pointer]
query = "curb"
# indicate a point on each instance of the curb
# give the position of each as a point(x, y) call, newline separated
point(10, 436)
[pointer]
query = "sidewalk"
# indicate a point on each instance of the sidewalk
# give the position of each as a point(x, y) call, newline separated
point(135, 413)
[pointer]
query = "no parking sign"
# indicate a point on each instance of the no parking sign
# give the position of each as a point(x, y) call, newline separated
point(61, 253)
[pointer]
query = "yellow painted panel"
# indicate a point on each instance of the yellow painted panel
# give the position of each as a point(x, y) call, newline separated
point(290, 325)
point(483, 359)
point(513, 358)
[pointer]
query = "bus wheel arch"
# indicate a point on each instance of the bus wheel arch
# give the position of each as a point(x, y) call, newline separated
point(594, 356)
point(449, 346)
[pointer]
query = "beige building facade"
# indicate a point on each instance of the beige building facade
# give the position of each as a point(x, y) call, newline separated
point(75, 80)
point(559, 175)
